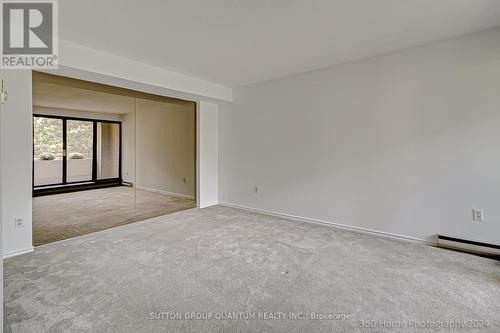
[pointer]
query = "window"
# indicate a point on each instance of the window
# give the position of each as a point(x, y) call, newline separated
point(70, 151)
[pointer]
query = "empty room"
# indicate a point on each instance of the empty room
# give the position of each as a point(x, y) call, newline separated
point(250, 166)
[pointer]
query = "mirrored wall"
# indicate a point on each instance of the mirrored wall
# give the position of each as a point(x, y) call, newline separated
point(105, 156)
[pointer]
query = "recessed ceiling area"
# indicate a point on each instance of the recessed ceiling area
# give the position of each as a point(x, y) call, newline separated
point(241, 42)
point(58, 92)
point(52, 95)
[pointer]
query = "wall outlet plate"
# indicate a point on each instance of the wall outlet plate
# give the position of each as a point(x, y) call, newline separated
point(477, 215)
point(19, 222)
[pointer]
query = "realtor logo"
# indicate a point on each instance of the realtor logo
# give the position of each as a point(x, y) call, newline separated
point(29, 34)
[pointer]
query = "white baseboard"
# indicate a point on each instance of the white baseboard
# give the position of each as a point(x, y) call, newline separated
point(150, 189)
point(18, 253)
point(209, 204)
point(328, 223)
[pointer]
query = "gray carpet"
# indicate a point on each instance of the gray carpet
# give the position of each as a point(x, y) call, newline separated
point(262, 270)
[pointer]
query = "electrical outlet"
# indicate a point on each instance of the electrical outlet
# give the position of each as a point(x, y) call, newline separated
point(477, 215)
point(256, 189)
point(184, 180)
point(19, 222)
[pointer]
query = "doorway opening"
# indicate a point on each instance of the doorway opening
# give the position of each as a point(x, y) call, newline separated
point(105, 156)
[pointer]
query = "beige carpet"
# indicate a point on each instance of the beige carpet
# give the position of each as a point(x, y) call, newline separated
point(62, 216)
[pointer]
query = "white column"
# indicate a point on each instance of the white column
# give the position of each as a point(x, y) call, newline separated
point(208, 154)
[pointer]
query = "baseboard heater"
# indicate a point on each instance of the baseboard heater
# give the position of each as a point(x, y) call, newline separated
point(485, 249)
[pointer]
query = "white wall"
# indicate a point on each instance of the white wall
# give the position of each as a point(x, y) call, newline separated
point(165, 146)
point(208, 154)
point(16, 160)
point(1, 217)
point(407, 143)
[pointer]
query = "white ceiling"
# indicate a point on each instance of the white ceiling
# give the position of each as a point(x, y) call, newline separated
point(237, 42)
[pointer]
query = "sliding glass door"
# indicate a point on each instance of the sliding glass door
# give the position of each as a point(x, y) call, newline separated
point(71, 152)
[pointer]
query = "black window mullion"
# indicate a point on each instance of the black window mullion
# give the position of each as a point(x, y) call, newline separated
point(120, 154)
point(94, 151)
point(65, 146)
